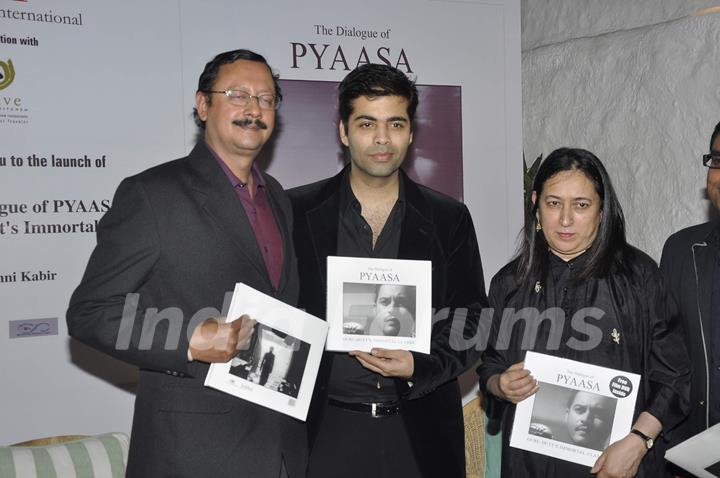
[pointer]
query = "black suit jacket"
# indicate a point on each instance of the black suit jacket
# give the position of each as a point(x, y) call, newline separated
point(687, 263)
point(436, 228)
point(178, 239)
point(268, 362)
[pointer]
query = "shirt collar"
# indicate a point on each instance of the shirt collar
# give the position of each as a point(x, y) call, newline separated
point(577, 262)
point(348, 199)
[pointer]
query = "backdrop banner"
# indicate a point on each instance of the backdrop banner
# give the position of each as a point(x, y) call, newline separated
point(92, 92)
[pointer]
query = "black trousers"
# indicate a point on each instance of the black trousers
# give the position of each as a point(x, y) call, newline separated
point(352, 444)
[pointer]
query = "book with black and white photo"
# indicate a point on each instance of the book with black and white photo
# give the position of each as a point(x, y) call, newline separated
point(699, 454)
point(378, 303)
point(578, 411)
point(278, 366)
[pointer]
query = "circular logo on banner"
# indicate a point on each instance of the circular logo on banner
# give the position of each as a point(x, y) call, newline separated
point(7, 74)
point(621, 386)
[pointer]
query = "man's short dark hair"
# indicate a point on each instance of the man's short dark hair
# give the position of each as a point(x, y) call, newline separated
point(210, 73)
point(715, 134)
point(571, 398)
point(373, 80)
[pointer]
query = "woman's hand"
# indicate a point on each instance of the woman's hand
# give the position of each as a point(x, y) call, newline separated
point(514, 385)
point(621, 459)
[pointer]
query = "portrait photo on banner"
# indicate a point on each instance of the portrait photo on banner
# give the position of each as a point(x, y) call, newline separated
point(435, 156)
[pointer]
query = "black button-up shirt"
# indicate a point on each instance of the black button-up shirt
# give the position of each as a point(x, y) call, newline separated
point(350, 381)
point(714, 347)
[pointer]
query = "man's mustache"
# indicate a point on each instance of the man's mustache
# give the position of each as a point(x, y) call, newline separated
point(247, 122)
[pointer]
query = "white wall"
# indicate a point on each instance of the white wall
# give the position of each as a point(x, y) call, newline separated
point(635, 83)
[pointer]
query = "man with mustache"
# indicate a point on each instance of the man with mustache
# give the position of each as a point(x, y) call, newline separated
point(388, 413)
point(588, 419)
point(170, 250)
point(691, 265)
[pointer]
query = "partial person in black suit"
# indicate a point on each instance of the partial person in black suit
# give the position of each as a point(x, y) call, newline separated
point(691, 265)
point(389, 413)
point(176, 240)
point(266, 366)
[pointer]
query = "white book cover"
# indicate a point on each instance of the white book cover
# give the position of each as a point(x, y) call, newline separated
point(378, 303)
point(699, 454)
point(279, 366)
point(578, 411)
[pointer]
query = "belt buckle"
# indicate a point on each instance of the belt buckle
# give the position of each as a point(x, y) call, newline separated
point(374, 410)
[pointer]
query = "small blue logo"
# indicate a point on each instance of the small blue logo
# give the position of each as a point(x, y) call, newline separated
point(33, 327)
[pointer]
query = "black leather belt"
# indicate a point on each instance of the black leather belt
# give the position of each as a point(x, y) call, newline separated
point(376, 410)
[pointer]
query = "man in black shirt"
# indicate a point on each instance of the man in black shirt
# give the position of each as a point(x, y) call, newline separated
point(388, 413)
point(691, 265)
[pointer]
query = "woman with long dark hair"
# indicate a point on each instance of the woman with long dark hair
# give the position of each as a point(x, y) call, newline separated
point(574, 255)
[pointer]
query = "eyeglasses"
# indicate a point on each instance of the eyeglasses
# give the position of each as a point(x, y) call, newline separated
point(711, 160)
point(242, 98)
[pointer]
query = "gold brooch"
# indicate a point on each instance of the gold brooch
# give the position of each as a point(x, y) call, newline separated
point(615, 336)
point(538, 287)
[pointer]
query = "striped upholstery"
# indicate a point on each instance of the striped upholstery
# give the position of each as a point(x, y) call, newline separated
point(101, 456)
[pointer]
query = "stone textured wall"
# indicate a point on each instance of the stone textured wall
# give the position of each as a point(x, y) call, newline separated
point(637, 83)
point(554, 21)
